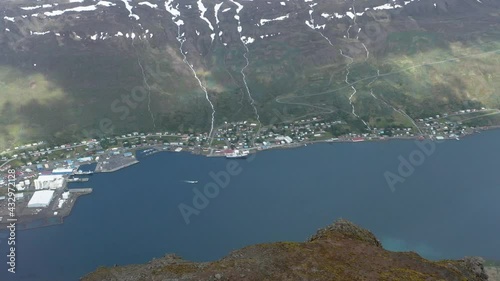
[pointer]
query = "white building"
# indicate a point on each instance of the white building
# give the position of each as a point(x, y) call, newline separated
point(62, 171)
point(41, 199)
point(85, 159)
point(65, 195)
point(60, 203)
point(20, 186)
point(49, 182)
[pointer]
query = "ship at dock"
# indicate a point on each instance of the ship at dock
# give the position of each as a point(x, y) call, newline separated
point(237, 154)
point(78, 179)
point(148, 152)
point(80, 172)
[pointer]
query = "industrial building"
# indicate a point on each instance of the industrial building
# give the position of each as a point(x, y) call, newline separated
point(41, 199)
point(85, 159)
point(65, 195)
point(284, 139)
point(49, 182)
point(22, 185)
point(62, 171)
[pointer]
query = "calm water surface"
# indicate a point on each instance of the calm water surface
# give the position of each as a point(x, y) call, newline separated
point(448, 208)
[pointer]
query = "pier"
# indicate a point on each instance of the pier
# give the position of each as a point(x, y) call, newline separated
point(115, 163)
point(78, 179)
point(85, 190)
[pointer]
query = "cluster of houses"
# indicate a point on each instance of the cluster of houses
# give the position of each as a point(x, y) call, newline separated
point(235, 135)
point(440, 127)
point(41, 149)
point(243, 134)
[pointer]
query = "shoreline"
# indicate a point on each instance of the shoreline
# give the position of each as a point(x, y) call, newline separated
point(255, 150)
point(44, 218)
point(364, 140)
point(47, 218)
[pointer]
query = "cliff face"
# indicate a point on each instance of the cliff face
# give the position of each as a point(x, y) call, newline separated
point(341, 251)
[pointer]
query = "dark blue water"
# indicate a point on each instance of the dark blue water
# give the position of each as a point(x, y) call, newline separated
point(448, 208)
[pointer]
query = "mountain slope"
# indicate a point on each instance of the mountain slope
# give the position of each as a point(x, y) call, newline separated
point(187, 65)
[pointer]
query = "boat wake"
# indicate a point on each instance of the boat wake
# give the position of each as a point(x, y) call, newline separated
point(190, 182)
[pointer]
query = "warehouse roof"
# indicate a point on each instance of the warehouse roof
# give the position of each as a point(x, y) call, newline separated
point(41, 198)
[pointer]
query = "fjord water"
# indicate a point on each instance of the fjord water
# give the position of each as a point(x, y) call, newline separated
point(448, 208)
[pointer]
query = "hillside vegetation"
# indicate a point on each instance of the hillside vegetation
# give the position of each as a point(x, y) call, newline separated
point(341, 251)
point(63, 74)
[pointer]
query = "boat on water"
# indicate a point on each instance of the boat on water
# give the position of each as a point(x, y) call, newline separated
point(237, 154)
point(80, 172)
point(191, 182)
point(78, 180)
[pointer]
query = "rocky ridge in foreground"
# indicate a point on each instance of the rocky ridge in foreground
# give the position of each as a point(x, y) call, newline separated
point(341, 251)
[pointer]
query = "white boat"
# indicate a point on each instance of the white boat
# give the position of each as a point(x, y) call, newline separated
point(80, 172)
point(191, 182)
point(237, 154)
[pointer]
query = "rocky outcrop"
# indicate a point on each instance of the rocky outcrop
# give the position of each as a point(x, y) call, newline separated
point(349, 230)
point(341, 251)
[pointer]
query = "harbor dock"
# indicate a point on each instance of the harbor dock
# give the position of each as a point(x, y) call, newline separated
point(78, 179)
point(116, 163)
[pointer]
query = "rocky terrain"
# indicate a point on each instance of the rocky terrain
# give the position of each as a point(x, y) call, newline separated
point(341, 251)
point(82, 68)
